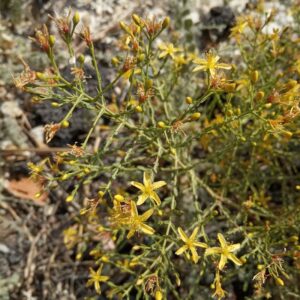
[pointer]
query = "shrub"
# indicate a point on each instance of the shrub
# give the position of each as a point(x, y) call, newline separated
point(196, 159)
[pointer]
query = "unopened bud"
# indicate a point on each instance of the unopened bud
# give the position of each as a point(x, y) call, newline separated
point(51, 40)
point(259, 96)
point(136, 19)
point(65, 124)
point(81, 59)
point(165, 23)
point(70, 198)
point(158, 295)
point(76, 18)
point(254, 76)
point(119, 198)
point(279, 281)
point(138, 109)
point(161, 124)
point(195, 116)
point(188, 100)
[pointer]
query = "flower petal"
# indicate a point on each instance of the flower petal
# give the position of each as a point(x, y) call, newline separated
point(195, 255)
point(147, 229)
point(97, 287)
point(134, 211)
point(234, 247)
point(222, 262)
point(194, 234)
point(131, 233)
point(158, 184)
point(222, 240)
point(199, 244)
point(138, 185)
point(234, 259)
point(181, 250)
point(199, 68)
point(223, 66)
point(155, 197)
point(147, 178)
point(182, 234)
point(146, 215)
point(103, 278)
point(142, 198)
point(213, 250)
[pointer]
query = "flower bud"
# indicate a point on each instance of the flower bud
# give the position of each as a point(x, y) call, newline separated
point(70, 198)
point(188, 100)
point(136, 19)
point(165, 23)
point(259, 96)
point(158, 295)
point(115, 61)
point(195, 116)
point(65, 124)
point(279, 281)
point(54, 104)
point(76, 18)
point(119, 198)
point(81, 59)
point(51, 40)
point(138, 109)
point(254, 76)
point(161, 124)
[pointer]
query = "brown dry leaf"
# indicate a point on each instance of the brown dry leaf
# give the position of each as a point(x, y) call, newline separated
point(26, 188)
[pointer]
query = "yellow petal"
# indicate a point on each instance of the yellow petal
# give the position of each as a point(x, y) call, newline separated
point(147, 178)
point(127, 74)
point(147, 229)
point(199, 244)
point(138, 185)
point(89, 282)
point(213, 250)
point(163, 54)
point(234, 247)
point(200, 61)
point(131, 233)
point(183, 236)
point(223, 66)
point(103, 278)
point(195, 255)
point(158, 184)
point(222, 262)
point(194, 234)
point(234, 259)
point(199, 68)
point(134, 211)
point(155, 197)
point(222, 240)
point(146, 215)
point(142, 198)
point(181, 250)
point(97, 287)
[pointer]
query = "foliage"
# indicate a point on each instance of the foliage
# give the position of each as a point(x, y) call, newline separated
point(218, 135)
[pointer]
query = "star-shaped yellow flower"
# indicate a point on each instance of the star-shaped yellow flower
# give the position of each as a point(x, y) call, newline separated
point(148, 189)
point(190, 244)
point(225, 251)
point(210, 64)
point(96, 278)
point(168, 50)
point(137, 222)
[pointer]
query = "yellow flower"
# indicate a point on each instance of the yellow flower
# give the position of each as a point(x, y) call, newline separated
point(148, 189)
point(210, 64)
point(226, 252)
point(239, 27)
point(137, 222)
point(168, 49)
point(96, 278)
point(190, 244)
